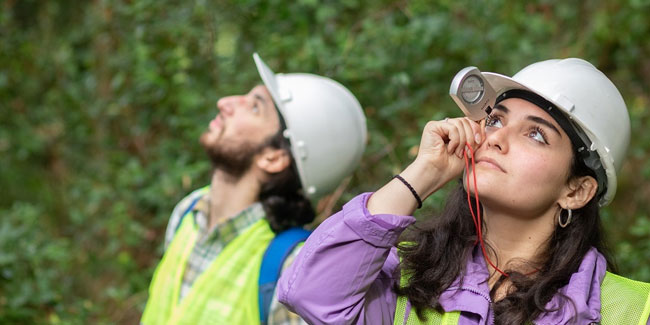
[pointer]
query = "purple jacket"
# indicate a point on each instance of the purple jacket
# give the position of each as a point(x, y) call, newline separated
point(345, 272)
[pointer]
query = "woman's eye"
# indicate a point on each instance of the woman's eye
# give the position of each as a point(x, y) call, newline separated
point(537, 135)
point(255, 109)
point(493, 121)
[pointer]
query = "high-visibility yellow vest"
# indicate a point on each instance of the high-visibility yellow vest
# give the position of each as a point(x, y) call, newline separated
point(226, 293)
point(623, 301)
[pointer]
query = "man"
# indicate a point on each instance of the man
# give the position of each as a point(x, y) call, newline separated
point(273, 150)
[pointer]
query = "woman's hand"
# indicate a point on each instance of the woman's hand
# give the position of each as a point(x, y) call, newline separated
point(439, 160)
point(440, 156)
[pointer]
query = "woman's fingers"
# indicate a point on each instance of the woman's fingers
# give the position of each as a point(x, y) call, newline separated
point(473, 132)
point(463, 133)
point(454, 136)
point(477, 129)
point(469, 130)
point(449, 137)
point(441, 140)
point(466, 136)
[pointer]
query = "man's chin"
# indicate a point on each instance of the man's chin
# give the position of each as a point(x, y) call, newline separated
point(233, 163)
point(208, 140)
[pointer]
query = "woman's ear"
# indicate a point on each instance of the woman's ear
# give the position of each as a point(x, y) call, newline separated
point(579, 192)
point(273, 160)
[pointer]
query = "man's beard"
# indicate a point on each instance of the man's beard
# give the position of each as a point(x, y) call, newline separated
point(233, 160)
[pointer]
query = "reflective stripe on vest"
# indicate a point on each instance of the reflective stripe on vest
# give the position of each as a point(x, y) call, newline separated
point(623, 301)
point(226, 293)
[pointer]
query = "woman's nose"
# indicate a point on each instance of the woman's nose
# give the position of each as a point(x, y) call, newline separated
point(497, 139)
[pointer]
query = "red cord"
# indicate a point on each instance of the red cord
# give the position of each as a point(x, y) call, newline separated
point(477, 217)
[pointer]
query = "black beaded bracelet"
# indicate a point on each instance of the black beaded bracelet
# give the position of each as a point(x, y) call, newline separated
point(417, 197)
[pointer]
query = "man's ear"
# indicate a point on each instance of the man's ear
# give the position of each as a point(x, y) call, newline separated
point(579, 192)
point(273, 160)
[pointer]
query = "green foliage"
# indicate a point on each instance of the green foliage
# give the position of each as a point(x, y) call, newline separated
point(32, 262)
point(102, 103)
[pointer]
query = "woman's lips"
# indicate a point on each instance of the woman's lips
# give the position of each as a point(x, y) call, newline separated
point(490, 163)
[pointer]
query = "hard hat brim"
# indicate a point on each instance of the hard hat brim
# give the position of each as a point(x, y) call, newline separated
point(269, 80)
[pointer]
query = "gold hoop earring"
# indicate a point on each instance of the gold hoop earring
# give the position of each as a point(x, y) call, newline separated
point(568, 218)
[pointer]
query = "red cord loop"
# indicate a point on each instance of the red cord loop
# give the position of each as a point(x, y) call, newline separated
point(476, 216)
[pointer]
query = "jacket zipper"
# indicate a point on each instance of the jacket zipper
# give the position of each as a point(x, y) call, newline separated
point(487, 297)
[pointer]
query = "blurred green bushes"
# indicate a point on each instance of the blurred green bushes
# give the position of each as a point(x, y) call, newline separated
point(102, 103)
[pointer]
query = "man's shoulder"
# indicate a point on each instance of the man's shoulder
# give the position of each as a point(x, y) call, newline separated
point(181, 209)
point(292, 255)
point(279, 314)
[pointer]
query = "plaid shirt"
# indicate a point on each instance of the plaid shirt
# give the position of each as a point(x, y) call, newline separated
point(210, 243)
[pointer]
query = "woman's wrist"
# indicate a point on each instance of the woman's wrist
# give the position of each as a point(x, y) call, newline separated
point(423, 177)
point(397, 198)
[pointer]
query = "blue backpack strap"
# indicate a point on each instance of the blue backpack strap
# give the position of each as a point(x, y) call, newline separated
point(276, 253)
point(186, 212)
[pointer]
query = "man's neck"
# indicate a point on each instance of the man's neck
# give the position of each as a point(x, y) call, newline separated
point(230, 195)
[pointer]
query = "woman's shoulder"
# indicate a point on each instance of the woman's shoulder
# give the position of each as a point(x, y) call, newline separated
point(617, 282)
point(623, 300)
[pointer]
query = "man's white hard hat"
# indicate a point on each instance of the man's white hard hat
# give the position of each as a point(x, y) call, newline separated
point(590, 101)
point(324, 124)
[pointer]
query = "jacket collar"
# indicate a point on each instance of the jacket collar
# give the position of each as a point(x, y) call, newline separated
point(473, 294)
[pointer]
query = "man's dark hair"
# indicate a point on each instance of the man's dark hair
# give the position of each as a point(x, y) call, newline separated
point(282, 196)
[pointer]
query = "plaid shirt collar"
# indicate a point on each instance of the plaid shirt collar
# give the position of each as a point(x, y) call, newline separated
point(228, 229)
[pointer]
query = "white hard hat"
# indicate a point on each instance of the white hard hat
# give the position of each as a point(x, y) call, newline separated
point(590, 101)
point(324, 124)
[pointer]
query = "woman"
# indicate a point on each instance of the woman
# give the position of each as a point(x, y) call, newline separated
point(528, 247)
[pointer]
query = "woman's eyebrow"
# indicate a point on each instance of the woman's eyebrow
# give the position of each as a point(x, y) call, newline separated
point(542, 121)
point(502, 108)
point(533, 118)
